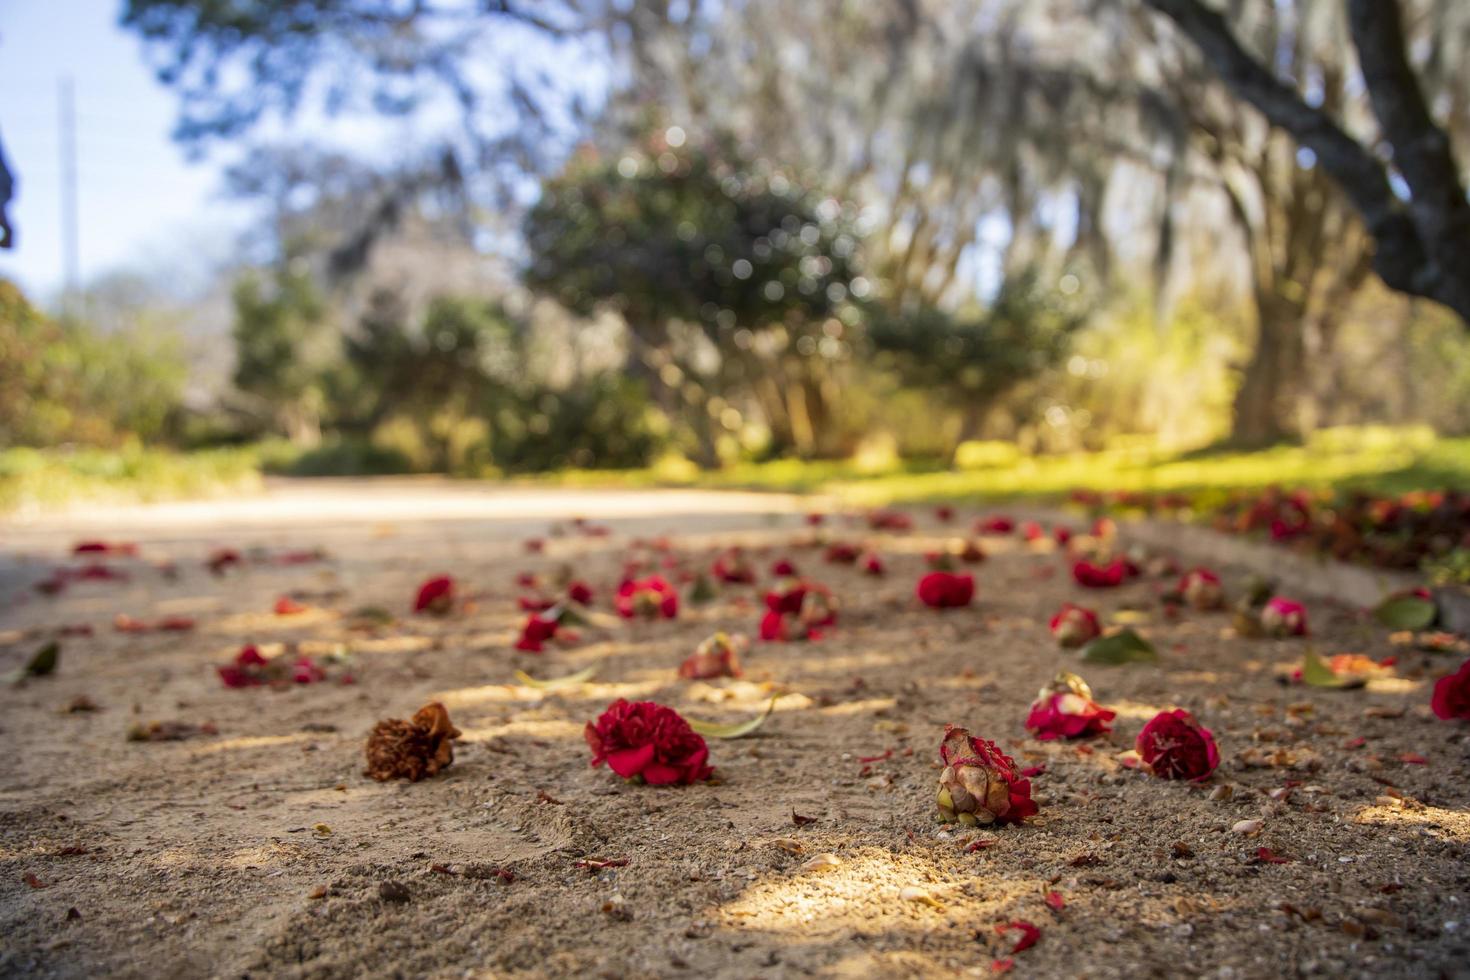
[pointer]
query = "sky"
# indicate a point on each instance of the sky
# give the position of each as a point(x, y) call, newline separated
point(140, 202)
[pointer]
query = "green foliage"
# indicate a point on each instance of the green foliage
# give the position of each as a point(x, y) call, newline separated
point(970, 363)
point(603, 421)
point(38, 479)
point(64, 382)
point(689, 232)
point(279, 347)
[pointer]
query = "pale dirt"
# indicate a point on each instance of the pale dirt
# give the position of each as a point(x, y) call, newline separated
point(201, 859)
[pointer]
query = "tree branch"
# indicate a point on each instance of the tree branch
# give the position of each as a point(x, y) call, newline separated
point(1407, 258)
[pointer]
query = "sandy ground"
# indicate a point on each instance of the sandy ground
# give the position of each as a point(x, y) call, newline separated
point(262, 850)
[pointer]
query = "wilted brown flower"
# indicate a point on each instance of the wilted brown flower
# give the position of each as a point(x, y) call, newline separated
point(413, 749)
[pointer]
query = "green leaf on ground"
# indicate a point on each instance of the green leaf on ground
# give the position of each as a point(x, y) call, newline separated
point(1316, 672)
point(1406, 612)
point(736, 730)
point(43, 662)
point(1122, 647)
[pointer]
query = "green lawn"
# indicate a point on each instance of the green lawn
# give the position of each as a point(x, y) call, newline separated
point(1383, 460)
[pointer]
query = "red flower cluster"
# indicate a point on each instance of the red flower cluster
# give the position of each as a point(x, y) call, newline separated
point(1452, 695)
point(946, 590)
point(717, 656)
point(250, 669)
point(798, 610)
point(1175, 746)
point(1065, 709)
point(980, 784)
point(647, 598)
point(1201, 589)
point(732, 568)
point(1284, 617)
point(995, 524)
point(435, 596)
point(648, 741)
point(1073, 626)
point(1106, 576)
point(536, 631)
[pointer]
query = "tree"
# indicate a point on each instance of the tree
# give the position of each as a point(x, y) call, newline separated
point(971, 363)
point(675, 233)
point(279, 360)
point(1423, 233)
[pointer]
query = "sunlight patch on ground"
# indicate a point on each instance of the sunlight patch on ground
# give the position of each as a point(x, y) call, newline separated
point(250, 742)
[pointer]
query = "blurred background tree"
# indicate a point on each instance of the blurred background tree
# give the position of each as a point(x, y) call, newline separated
point(599, 231)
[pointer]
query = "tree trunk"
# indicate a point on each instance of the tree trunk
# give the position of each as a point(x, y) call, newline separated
point(1266, 403)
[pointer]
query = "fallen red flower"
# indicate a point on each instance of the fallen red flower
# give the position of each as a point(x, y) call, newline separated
point(1100, 577)
point(1175, 746)
point(842, 553)
point(1284, 617)
point(121, 548)
point(1451, 699)
point(980, 784)
point(872, 565)
point(1065, 709)
point(650, 742)
point(995, 524)
point(435, 596)
point(716, 656)
point(1072, 626)
point(580, 593)
point(945, 590)
point(732, 568)
point(784, 568)
point(1029, 934)
point(535, 632)
point(287, 606)
point(648, 598)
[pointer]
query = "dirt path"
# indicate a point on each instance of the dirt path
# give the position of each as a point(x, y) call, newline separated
point(200, 857)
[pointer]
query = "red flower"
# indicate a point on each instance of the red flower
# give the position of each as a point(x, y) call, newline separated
point(995, 524)
point(1284, 617)
point(889, 520)
point(649, 598)
point(1065, 709)
point(816, 520)
point(435, 596)
point(872, 565)
point(943, 514)
point(1096, 577)
point(222, 558)
point(648, 741)
point(127, 548)
point(287, 606)
point(717, 656)
point(1175, 746)
point(732, 567)
point(1029, 934)
point(305, 671)
point(784, 568)
point(980, 784)
point(809, 606)
point(248, 669)
point(580, 593)
point(536, 631)
point(971, 554)
point(945, 590)
point(841, 553)
point(1201, 589)
point(1073, 626)
point(1032, 531)
point(1452, 695)
point(534, 603)
point(1061, 534)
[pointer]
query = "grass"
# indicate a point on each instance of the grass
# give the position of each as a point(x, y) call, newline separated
point(1381, 460)
point(36, 480)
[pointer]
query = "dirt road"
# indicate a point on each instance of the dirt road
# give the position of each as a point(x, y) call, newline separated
point(260, 848)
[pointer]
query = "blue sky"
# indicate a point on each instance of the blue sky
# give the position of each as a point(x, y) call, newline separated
point(140, 203)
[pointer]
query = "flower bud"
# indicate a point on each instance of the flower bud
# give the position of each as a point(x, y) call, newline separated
point(979, 784)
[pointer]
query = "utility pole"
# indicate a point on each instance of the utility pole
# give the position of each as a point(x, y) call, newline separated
point(67, 123)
